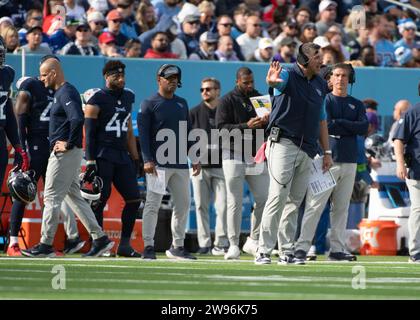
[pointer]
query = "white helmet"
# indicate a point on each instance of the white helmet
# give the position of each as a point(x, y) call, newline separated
point(91, 191)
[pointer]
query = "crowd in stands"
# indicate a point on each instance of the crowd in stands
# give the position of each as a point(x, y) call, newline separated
point(223, 30)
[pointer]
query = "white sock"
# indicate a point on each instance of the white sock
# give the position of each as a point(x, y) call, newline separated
point(13, 240)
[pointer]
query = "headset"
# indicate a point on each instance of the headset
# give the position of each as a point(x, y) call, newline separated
point(302, 58)
point(164, 67)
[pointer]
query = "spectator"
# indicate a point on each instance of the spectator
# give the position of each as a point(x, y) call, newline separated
point(264, 52)
point(277, 12)
point(302, 16)
point(331, 55)
point(327, 15)
point(133, 48)
point(224, 28)
point(400, 108)
point(404, 57)
point(250, 39)
point(128, 27)
point(240, 16)
point(368, 56)
point(225, 51)
point(287, 51)
point(114, 20)
point(384, 48)
point(73, 9)
point(354, 46)
point(371, 106)
point(308, 32)
point(335, 40)
point(145, 17)
point(17, 10)
point(81, 46)
point(63, 36)
point(167, 7)
point(290, 29)
point(33, 18)
point(207, 20)
point(168, 25)
point(227, 7)
point(407, 30)
point(34, 45)
point(107, 45)
point(371, 7)
point(97, 23)
point(190, 25)
point(11, 38)
point(207, 49)
point(52, 22)
point(160, 47)
point(5, 22)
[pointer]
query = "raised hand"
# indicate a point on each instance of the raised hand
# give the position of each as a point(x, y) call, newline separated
point(273, 74)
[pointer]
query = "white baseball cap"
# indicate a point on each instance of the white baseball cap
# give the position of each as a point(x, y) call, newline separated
point(324, 4)
point(321, 41)
point(265, 43)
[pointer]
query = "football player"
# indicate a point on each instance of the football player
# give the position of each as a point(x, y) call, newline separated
point(109, 144)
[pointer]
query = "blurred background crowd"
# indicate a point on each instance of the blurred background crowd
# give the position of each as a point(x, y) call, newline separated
point(223, 30)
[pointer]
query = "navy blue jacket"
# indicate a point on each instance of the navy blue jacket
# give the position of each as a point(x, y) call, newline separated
point(408, 131)
point(164, 116)
point(66, 117)
point(346, 117)
point(298, 107)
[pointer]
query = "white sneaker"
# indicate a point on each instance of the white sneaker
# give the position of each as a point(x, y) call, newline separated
point(233, 253)
point(311, 255)
point(217, 251)
point(250, 246)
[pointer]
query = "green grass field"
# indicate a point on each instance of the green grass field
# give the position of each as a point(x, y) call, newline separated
point(206, 279)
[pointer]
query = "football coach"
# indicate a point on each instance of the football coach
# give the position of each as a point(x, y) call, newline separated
point(297, 120)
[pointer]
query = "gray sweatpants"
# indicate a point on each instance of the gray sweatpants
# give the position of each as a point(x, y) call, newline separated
point(344, 174)
point(69, 221)
point(178, 182)
point(235, 175)
point(289, 171)
point(62, 184)
point(210, 180)
point(414, 219)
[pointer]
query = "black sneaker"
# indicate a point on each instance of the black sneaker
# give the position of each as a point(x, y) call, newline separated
point(99, 246)
point(204, 250)
point(39, 251)
point(73, 245)
point(285, 259)
point(149, 253)
point(415, 258)
point(341, 256)
point(179, 253)
point(128, 252)
point(300, 257)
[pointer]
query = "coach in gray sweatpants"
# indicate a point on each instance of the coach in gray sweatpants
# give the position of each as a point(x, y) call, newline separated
point(164, 125)
point(407, 145)
point(346, 117)
point(297, 120)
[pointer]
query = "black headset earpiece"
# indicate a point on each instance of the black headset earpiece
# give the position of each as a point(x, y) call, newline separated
point(352, 74)
point(302, 58)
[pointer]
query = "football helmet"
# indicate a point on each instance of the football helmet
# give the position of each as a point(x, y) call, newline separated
point(91, 191)
point(22, 185)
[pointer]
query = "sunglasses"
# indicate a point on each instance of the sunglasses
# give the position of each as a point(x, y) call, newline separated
point(39, 18)
point(292, 27)
point(123, 6)
point(194, 22)
point(227, 25)
point(83, 29)
point(117, 21)
point(206, 89)
point(99, 23)
point(330, 9)
point(257, 25)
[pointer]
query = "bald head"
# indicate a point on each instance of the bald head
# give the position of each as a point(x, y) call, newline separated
point(51, 73)
point(400, 108)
